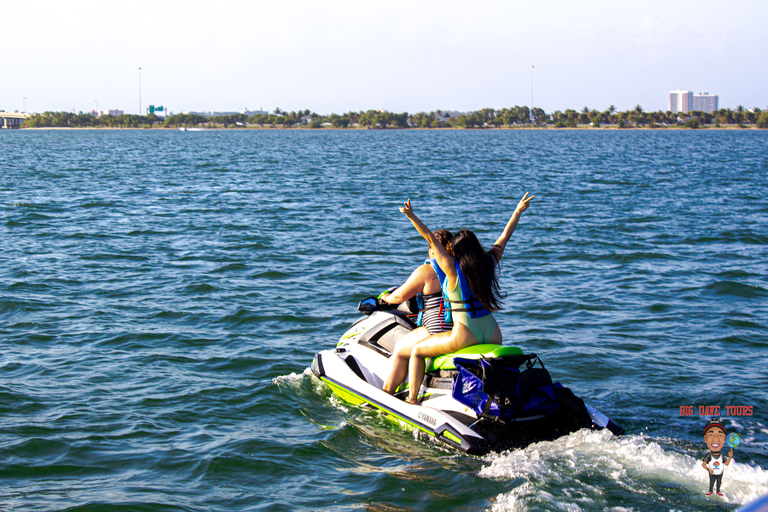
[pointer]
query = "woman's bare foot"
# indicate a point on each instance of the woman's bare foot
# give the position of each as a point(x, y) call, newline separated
point(414, 401)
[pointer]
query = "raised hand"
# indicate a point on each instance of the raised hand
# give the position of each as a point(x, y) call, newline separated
point(524, 203)
point(406, 208)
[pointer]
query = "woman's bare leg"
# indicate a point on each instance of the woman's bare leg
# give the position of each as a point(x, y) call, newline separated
point(436, 345)
point(400, 356)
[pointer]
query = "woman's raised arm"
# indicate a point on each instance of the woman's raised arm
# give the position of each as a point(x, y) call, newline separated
point(523, 205)
point(423, 230)
point(444, 259)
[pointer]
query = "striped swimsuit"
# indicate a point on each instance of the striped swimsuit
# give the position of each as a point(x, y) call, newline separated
point(434, 315)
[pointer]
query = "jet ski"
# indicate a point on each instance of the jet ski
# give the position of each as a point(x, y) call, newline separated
point(483, 398)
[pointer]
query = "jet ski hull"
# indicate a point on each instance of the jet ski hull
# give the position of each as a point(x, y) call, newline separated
point(356, 368)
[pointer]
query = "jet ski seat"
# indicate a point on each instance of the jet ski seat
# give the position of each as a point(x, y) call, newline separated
point(482, 351)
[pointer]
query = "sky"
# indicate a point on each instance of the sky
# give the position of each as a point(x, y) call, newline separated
point(335, 56)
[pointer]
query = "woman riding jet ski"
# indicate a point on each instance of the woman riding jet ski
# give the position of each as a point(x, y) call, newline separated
point(480, 397)
point(470, 287)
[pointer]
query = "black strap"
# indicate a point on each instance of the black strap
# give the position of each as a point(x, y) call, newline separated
point(471, 309)
point(491, 390)
point(488, 408)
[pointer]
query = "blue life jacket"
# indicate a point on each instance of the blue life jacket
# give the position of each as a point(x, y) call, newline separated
point(440, 274)
point(469, 302)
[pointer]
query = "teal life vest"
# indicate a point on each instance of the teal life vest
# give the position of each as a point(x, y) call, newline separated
point(469, 302)
point(440, 274)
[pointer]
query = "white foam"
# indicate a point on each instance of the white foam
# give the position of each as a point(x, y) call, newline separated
point(292, 379)
point(635, 463)
point(339, 403)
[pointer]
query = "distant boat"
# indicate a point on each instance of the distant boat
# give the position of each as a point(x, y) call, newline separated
point(182, 129)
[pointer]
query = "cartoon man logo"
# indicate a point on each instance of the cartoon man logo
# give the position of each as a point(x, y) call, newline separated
point(715, 436)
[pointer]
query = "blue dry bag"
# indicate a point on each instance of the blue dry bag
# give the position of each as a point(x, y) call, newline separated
point(497, 389)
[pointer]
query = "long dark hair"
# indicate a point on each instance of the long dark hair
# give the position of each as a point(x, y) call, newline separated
point(478, 268)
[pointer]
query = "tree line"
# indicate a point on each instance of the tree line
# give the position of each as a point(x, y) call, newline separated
point(375, 119)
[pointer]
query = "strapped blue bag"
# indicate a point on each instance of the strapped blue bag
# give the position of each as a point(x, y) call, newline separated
point(497, 389)
point(468, 390)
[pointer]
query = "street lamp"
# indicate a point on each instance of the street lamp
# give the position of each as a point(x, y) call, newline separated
point(139, 91)
point(531, 112)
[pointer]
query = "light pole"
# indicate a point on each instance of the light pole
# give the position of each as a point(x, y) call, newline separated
point(25, 104)
point(139, 91)
point(532, 68)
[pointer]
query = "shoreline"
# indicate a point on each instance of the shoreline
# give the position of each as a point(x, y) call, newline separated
point(411, 128)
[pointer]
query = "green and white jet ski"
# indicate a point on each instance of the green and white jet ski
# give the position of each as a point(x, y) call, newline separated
point(480, 399)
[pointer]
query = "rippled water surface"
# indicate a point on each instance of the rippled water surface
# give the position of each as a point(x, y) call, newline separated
point(163, 293)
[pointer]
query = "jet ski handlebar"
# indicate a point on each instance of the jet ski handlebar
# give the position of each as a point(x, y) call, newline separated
point(369, 305)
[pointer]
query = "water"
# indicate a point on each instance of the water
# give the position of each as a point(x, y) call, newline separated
point(162, 295)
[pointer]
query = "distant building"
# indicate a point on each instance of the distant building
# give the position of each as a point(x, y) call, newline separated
point(448, 115)
point(251, 113)
point(111, 112)
point(686, 101)
point(705, 102)
point(248, 113)
point(680, 101)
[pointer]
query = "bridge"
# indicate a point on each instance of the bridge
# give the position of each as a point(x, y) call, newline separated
point(11, 119)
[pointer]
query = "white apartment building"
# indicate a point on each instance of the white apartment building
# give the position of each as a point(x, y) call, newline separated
point(686, 101)
point(680, 101)
point(705, 102)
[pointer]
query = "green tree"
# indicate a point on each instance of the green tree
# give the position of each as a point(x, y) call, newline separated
point(399, 120)
point(762, 121)
point(338, 121)
point(367, 118)
point(382, 119)
point(692, 123)
point(465, 121)
point(423, 119)
point(260, 119)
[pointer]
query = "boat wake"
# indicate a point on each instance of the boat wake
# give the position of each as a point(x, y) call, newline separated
point(584, 469)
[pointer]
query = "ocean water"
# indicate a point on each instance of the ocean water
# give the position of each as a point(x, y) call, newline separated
point(163, 293)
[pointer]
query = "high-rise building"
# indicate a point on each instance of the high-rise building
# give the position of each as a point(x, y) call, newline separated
point(686, 101)
point(680, 101)
point(705, 102)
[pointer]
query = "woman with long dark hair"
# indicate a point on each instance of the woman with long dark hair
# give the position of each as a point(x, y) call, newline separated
point(471, 289)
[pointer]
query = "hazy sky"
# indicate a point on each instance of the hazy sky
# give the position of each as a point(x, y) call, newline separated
point(403, 56)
